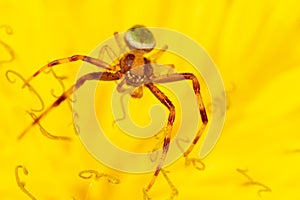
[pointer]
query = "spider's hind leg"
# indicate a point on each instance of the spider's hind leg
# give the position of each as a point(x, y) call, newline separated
point(164, 100)
point(196, 86)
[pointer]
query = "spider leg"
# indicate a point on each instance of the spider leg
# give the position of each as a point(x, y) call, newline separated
point(113, 58)
point(104, 76)
point(134, 92)
point(196, 87)
point(120, 43)
point(109, 51)
point(137, 93)
point(164, 100)
point(153, 57)
point(94, 61)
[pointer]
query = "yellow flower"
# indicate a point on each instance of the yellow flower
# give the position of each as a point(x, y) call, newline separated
point(256, 46)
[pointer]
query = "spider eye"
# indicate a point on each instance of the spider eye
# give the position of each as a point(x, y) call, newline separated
point(139, 37)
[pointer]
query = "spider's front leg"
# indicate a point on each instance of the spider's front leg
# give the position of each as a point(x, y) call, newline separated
point(154, 56)
point(120, 43)
point(94, 61)
point(164, 100)
point(104, 76)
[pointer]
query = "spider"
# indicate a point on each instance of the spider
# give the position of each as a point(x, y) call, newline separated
point(135, 70)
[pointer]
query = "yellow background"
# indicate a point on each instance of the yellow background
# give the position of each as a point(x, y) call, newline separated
point(256, 47)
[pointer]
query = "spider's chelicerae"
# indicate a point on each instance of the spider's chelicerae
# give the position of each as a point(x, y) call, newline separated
point(135, 70)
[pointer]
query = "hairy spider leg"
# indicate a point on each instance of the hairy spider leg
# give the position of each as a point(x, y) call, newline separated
point(196, 87)
point(110, 53)
point(154, 56)
point(94, 61)
point(119, 42)
point(102, 76)
point(164, 100)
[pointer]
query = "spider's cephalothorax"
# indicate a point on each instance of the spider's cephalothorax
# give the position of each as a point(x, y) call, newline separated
point(136, 67)
point(136, 70)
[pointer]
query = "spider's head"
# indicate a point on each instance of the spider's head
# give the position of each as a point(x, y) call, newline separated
point(139, 38)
